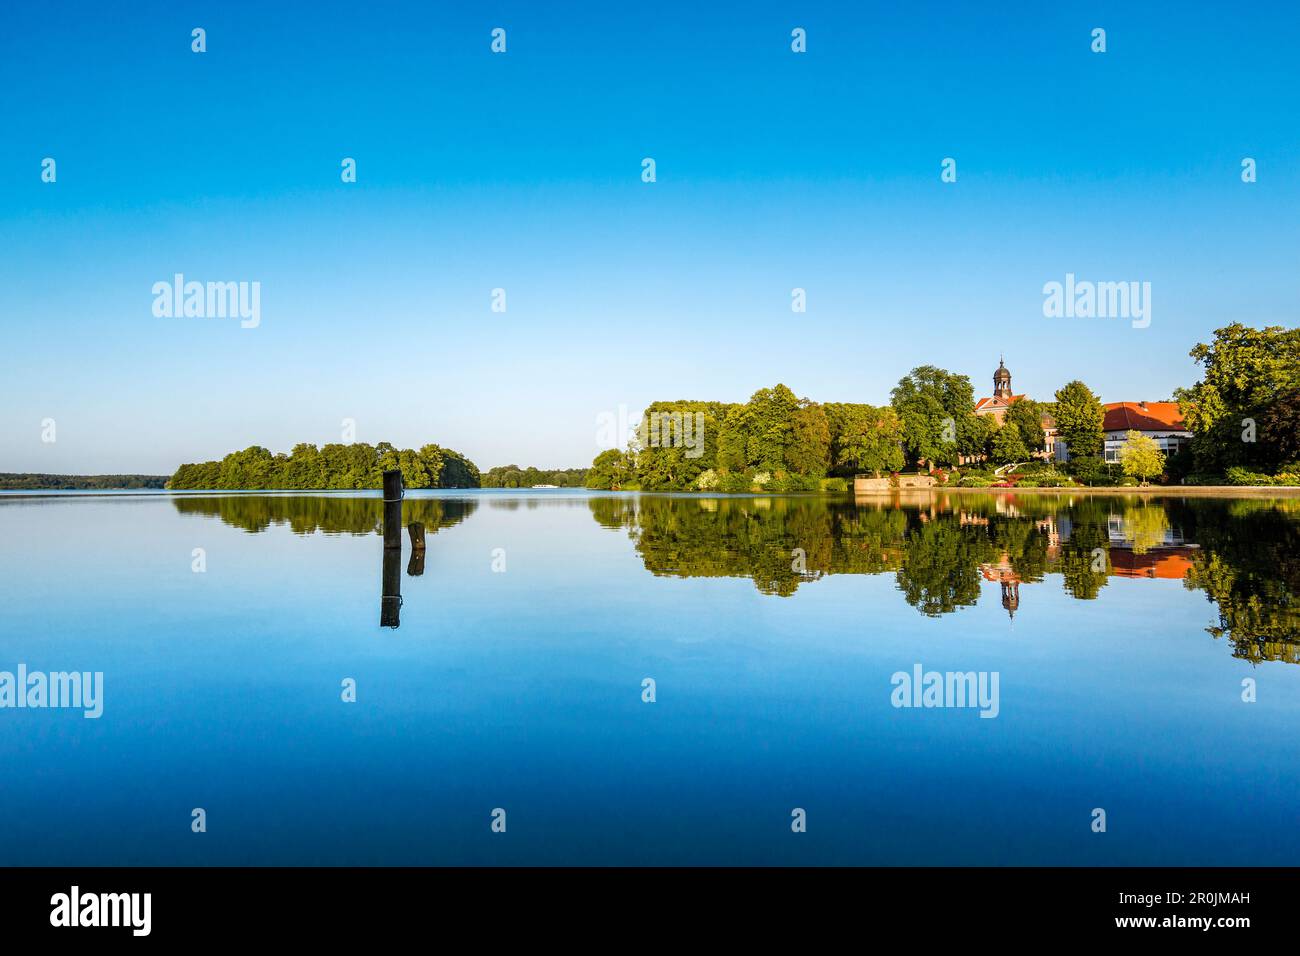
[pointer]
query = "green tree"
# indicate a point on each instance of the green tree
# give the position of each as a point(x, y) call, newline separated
point(1027, 416)
point(1247, 373)
point(775, 431)
point(611, 470)
point(1141, 457)
point(1079, 415)
point(1008, 446)
point(676, 442)
point(867, 439)
point(935, 408)
point(976, 436)
point(1279, 427)
point(770, 427)
point(733, 441)
point(810, 445)
point(457, 471)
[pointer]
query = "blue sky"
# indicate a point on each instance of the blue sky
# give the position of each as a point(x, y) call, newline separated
point(522, 171)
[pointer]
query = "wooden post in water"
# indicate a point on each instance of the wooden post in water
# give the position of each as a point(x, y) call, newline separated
point(390, 604)
point(416, 567)
point(393, 509)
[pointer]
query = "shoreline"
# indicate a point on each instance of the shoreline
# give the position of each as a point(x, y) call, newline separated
point(1155, 491)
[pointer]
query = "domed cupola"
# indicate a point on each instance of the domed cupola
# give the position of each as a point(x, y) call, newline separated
point(1002, 381)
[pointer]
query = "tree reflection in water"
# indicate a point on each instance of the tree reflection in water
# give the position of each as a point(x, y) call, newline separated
point(1243, 554)
point(331, 514)
point(334, 514)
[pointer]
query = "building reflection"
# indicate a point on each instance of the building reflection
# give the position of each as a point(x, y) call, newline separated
point(945, 550)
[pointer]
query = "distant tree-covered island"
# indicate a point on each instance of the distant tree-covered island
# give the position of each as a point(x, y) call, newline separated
point(334, 466)
point(41, 482)
point(512, 476)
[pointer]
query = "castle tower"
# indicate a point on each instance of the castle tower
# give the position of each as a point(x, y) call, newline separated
point(1002, 380)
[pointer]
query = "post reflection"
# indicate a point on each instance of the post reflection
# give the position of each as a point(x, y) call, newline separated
point(390, 602)
point(334, 514)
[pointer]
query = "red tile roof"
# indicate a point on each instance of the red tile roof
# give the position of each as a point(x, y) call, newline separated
point(1143, 416)
point(997, 402)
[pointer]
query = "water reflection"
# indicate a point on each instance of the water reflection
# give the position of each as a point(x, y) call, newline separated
point(307, 514)
point(1243, 554)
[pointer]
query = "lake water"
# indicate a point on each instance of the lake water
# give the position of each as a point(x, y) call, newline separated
point(1119, 632)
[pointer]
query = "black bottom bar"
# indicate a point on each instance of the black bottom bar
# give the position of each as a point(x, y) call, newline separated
point(651, 905)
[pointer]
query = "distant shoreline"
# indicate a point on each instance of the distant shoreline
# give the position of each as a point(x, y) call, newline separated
point(49, 481)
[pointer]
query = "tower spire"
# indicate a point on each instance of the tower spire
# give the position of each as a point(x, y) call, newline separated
point(1002, 379)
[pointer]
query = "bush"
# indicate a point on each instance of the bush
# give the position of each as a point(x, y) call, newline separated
point(1243, 476)
point(1237, 475)
point(1052, 479)
point(1178, 467)
point(1091, 471)
point(734, 483)
point(835, 485)
point(785, 483)
point(974, 481)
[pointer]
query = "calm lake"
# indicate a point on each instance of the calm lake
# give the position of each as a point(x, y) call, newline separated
point(1119, 633)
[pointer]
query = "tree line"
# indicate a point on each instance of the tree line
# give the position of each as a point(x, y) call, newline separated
point(1245, 414)
point(22, 482)
point(512, 476)
point(333, 466)
point(778, 441)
